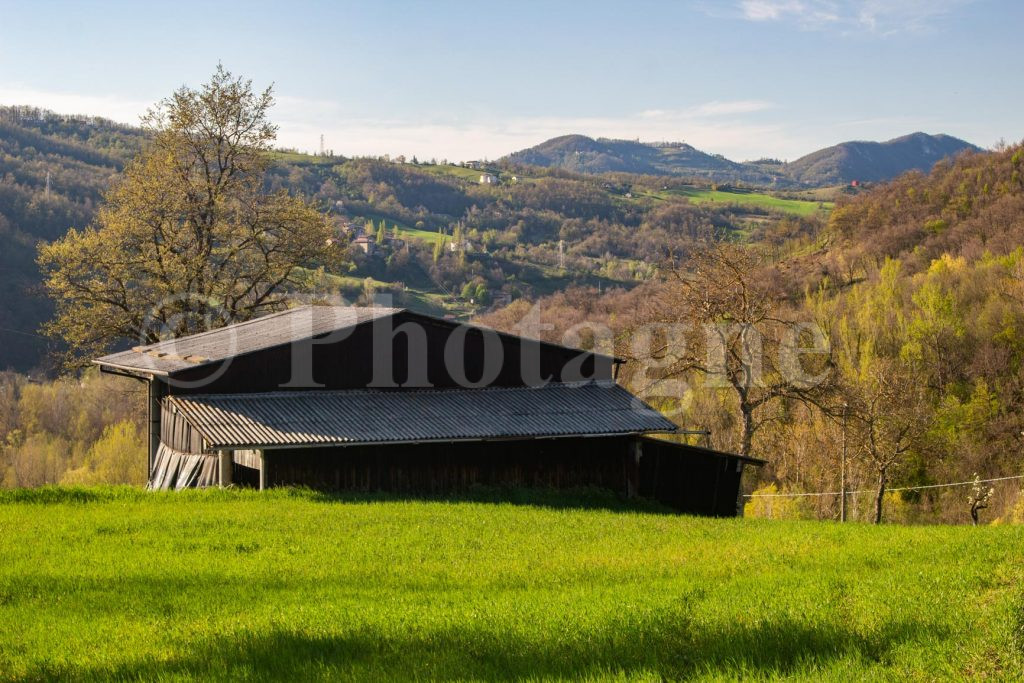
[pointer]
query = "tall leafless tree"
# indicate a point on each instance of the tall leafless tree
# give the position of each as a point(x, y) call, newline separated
point(719, 316)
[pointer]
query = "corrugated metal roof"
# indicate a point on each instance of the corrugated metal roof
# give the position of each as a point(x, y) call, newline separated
point(286, 327)
point(323, 418)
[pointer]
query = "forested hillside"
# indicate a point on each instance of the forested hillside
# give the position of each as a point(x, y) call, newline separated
point(581, 154)
point(918, 286)
point(443, 242)
point(874, 161)
point(53, 170)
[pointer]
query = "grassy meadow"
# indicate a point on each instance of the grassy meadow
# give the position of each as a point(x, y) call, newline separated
point(428, 236)
point(755, 200)
point(471, 175)
point(117, 583)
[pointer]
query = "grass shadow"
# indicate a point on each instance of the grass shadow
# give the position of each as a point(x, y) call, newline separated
point(55, 494)
point(581, 498)
point(665, 647)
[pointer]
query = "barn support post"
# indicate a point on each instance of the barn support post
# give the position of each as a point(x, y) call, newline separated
point(264, 481)
point(718, 484)
point(740, 465)
point(156, 392)
point(225, 460)
point(636, 451)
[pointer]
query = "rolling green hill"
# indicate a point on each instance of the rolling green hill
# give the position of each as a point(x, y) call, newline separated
point(123, 584)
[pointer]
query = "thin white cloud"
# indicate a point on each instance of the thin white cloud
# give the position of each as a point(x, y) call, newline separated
point(916, 16)
point(717, 108)
point(718, 127)
point(122, 110)
point(878, 17)
point(765, 10)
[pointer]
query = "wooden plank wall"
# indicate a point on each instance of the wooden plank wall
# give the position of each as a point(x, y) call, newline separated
point(176, 432)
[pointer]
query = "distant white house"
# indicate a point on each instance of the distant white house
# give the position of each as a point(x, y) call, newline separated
point(488, 179)
point(368, 243)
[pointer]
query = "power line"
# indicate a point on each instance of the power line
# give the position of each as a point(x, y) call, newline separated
point(27, 334)
point(902, 488)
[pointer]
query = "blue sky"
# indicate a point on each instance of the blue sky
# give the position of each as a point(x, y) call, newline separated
point(462, 80)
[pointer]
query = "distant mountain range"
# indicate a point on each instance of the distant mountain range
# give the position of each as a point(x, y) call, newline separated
point(841, 164)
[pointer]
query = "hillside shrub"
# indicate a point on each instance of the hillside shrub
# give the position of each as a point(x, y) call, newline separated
point(764, 505)
point(118, 457)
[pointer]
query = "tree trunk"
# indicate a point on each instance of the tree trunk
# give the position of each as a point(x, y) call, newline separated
point(842, 470)
point(746, 430)
point(879, 495)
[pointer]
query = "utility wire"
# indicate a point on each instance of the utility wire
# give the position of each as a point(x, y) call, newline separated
point(902, 488)
point(27, 334)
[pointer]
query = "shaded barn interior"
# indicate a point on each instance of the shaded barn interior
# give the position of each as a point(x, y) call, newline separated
point(687, 478)
point(690, 478)
point(366, 399)
point(438, 468)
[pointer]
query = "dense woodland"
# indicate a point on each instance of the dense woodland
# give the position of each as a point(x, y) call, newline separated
point(917, 286)
point(53, 172)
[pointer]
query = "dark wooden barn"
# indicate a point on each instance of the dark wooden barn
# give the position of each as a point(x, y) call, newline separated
point(383, 399)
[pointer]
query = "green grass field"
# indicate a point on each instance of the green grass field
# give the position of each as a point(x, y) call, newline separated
point(100, 584)
point(797, 207)
point(471, 175)
point(407, 231)
point(420, 300)
point(428, 236)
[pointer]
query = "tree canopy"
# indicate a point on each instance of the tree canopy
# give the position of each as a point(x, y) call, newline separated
point(188, 238)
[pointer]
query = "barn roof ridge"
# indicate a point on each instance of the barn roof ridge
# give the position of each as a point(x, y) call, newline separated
point(202, 348)
point(276, 314)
